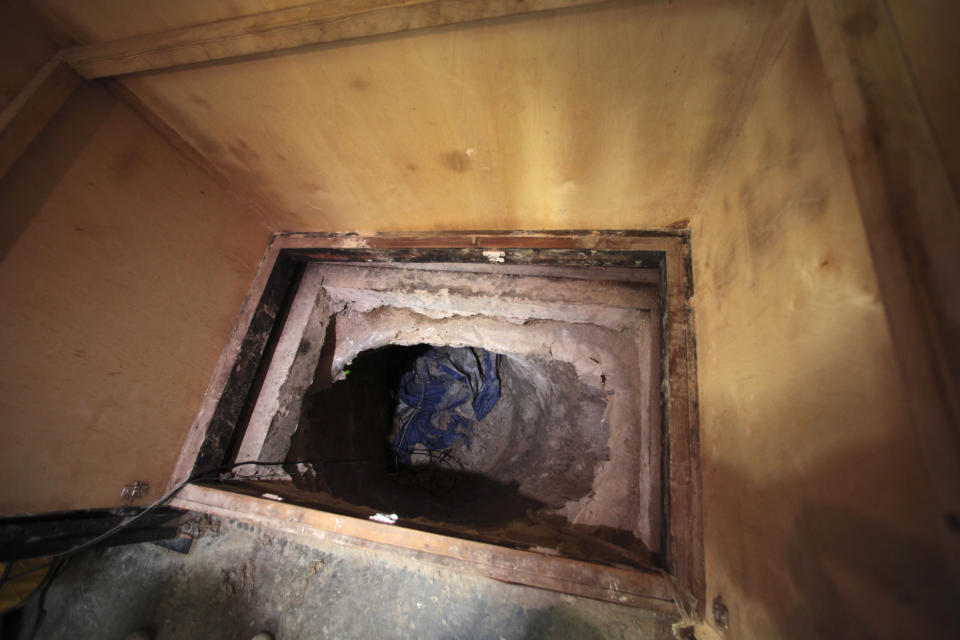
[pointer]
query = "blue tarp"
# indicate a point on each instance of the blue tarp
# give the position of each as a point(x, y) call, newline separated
point(446, 392)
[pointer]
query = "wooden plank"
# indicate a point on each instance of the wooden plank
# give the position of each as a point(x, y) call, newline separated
point(510, 256)
point(542, 242)
point(911, 222)
point(571, 248)
point(382, 134)
point(28, 113)
point(623, 586)
point(309, 24)
point(622, 240)
point(236, 404)
point(408, 241)
point(683, 509)
point(197, 435)
point(289, 374)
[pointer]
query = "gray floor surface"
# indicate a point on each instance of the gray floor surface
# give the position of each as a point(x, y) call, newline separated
point(240, 579)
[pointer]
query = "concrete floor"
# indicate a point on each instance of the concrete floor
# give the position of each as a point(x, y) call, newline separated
point(238, 580)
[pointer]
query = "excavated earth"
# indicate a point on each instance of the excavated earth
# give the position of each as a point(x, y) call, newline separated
point(573, 442)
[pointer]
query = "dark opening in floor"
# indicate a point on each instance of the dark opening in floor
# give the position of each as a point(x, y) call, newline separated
point(518, 409)
point(535, 447)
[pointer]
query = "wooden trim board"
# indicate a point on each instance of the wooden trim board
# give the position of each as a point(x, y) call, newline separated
point(682, 491)
point(221, 374)
point(282, 29)
point(28, 113)
point(635, 588)
point(207, 445)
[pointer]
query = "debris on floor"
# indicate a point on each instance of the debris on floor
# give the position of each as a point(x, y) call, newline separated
point(241, 579)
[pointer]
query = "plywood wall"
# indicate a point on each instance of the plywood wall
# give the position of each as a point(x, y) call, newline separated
point(122, 268)
point(926, 36)
point(817, 514)
point(611, 116)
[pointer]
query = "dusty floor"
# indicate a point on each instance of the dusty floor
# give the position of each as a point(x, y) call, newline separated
point(238, 580)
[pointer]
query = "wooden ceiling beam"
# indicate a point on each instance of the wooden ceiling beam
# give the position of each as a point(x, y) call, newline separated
point(28, 113)
point(283, 29)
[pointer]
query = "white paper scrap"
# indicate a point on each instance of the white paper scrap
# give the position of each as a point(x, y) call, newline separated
point(385, 518)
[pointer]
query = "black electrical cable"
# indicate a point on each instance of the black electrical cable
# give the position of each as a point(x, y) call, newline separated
point(403, 431)
point(58, 561)
point(200, 475)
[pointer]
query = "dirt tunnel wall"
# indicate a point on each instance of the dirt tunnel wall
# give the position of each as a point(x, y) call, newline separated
point(567, 337)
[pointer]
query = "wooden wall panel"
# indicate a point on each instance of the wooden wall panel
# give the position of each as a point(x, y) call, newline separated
point(613, 116)
point(928, 34)
point(817, 513)
point(920, 89)
point(123, 267)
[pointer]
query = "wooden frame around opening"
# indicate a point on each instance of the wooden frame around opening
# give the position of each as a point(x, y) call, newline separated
point(218, 426)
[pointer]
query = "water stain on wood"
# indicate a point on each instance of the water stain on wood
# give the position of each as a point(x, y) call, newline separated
point(209, 148)
point(724, 270)
point(200, 101)
point(242, 152)
point(128, 163)
point(862, 23)
point(359, 84)
point(456, 161)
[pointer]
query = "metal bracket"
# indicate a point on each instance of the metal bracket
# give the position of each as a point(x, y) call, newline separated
point(133, 491)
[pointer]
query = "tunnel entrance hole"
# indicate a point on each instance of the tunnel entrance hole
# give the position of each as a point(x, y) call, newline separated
point(568, 458)
point(536, 448)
